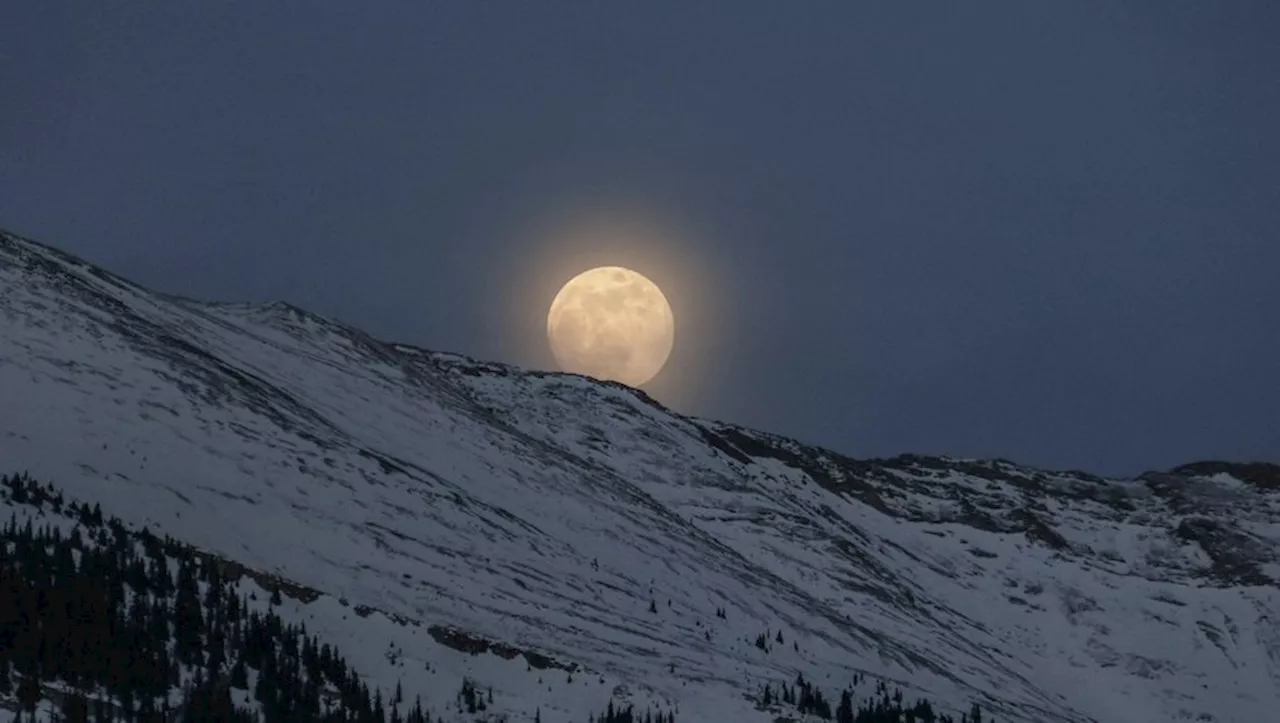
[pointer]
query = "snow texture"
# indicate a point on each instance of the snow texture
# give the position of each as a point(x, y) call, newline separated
point(546, 511)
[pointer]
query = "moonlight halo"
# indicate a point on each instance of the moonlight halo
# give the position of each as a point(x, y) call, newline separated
point(611, 323)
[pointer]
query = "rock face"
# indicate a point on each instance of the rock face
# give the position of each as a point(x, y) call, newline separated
point(546, 512)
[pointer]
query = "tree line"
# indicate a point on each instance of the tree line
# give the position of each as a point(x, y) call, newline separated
point(106, 624)
point(116, 626)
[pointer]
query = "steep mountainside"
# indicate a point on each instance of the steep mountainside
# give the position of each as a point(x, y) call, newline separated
point(101, 621)
point(586, 522)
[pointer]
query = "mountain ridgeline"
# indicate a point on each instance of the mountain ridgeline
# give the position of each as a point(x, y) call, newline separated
point(447, 522)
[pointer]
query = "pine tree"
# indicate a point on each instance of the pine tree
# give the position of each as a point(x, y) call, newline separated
point(75, 708)
point(239, 676)
point(844, 712)
point(28, 693)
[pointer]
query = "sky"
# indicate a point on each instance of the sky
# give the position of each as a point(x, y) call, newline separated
point(1044, 232)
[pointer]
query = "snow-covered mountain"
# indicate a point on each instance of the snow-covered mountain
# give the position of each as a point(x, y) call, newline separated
point(584, 522)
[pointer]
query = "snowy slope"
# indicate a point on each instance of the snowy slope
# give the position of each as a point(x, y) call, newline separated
point(547, 511)
point(426, 663)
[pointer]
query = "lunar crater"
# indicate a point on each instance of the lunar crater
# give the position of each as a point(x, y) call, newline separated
point(611, 323)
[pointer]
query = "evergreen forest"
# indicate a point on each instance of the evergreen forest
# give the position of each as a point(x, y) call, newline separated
point(101, 623)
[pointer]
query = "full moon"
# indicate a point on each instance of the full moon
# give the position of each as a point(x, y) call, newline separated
point(611, 323)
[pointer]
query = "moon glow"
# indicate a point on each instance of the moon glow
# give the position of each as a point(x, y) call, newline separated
point(611, 323)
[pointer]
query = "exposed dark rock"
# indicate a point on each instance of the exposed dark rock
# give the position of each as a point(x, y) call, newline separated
point(1234, 553)
point(1037, 530)
point(1263, 475)
point(476, 645)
